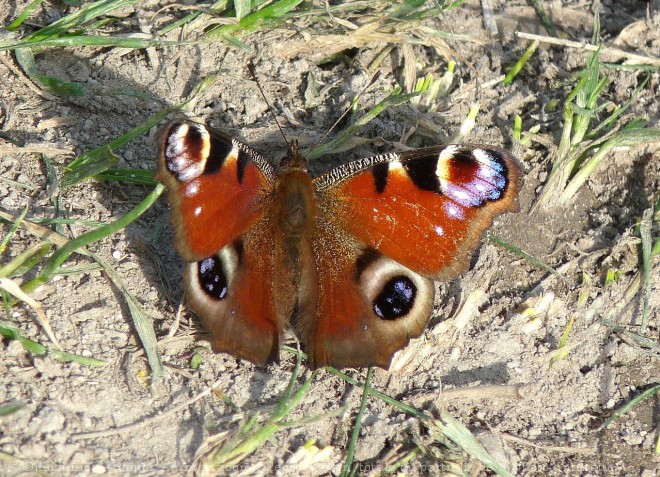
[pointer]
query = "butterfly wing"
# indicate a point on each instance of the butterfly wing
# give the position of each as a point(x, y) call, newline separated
point(426, 208)
point(397, 221)
point(232, 292)
point(217, 187)
point(368, 306)
point(220, 192)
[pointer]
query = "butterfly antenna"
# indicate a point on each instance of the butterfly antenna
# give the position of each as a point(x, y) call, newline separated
point(270, 107)
point(373, 80)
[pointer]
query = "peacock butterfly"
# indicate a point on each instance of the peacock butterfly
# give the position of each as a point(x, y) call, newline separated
point(347, 259)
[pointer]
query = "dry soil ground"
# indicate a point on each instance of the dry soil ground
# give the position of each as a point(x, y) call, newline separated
point(551, 429)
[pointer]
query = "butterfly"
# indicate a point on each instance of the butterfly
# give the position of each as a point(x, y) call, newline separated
point(346, 259)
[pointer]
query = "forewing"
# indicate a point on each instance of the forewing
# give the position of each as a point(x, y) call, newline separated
point(217, 187)
point(425, 209)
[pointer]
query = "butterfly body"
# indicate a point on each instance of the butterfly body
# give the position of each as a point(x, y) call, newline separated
point(346, 259)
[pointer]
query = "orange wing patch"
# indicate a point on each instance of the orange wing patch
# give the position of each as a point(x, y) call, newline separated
point(218, 188)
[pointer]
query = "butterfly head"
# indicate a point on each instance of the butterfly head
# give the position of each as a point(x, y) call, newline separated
point(293, 158)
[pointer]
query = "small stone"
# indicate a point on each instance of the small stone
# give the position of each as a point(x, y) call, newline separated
point(98, 469)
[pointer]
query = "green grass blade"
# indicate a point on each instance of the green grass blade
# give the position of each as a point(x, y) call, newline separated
point(116, 41)
point(642, 341)
point(26, 260)
point(518, 251)
point(630, 405)
point(58, 87)
point(562, 349)
point(85, 239)
point(142, 323)
point(96, 161)
point(9, 331)
point(12, 229)
point(461, 436)
point(242, 8)
point(102, 158)
point(18, 21)
point(74, 358)
point(617, 66)
point(611, 120)
point(543, 17)
point(352, 444)
point(251, 22)
point(86, 268)
point(49, 221)
point(520, 64)
point(84, 14)
point(628, 137)
point(11, 408)
point(127, 174)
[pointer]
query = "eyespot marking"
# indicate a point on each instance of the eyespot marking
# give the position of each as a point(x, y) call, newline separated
point(212, 277)
point(186, 150)
point(214, 274)
point(396, 299)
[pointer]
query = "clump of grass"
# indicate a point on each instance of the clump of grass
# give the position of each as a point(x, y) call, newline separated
point(231, 447)
point(585, 143)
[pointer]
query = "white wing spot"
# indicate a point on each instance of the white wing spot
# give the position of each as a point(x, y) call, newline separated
point(442, 170)
point(454, 211)
point(482, 156)
point(461, 196)
point(486, 162)
point(197, 211)
point(191, 189)
point(448, 152)
point(396, 169)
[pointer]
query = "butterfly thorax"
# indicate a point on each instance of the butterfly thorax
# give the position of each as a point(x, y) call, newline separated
point(295, 202)
point(294, 196)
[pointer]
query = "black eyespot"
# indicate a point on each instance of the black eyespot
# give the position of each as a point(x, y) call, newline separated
point(212, 277)
point(396, 299)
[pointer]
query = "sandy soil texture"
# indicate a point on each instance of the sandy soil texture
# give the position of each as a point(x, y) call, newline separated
point(485, 358)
